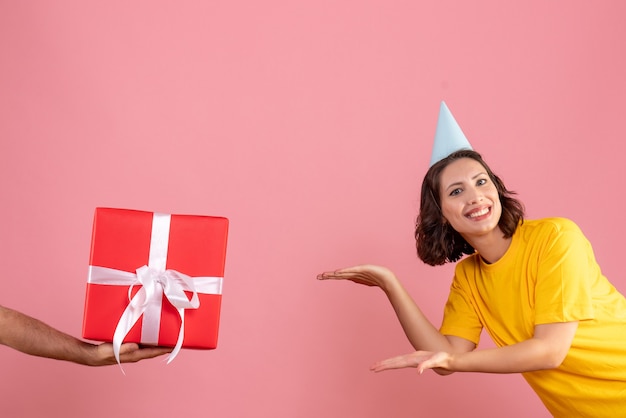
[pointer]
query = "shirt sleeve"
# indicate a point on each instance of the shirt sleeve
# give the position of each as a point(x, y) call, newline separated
point(459, 316)
point(564, 277)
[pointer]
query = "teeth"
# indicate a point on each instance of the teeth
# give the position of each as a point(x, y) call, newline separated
point(479, 213)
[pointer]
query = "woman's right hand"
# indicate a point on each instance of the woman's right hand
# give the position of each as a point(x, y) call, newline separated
point(367, 274)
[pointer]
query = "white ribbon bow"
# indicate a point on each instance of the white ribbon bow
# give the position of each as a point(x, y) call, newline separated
point(169, 283)
point(147, 301)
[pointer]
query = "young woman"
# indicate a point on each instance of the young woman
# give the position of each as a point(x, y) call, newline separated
point(534, 285)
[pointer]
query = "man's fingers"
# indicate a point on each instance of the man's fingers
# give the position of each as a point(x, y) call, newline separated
point(128, 348)
point(131, 352)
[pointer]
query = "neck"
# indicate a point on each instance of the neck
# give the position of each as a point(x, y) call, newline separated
point(491, 247)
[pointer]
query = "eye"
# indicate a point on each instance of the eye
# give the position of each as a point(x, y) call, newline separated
point(481, 182)
point(455, 192)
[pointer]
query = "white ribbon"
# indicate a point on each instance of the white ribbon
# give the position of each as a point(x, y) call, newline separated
point(156, 282)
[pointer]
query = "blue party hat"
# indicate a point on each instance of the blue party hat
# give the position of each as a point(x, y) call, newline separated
point(449, 137)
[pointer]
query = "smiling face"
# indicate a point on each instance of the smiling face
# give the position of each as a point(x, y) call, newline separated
point(469, 199)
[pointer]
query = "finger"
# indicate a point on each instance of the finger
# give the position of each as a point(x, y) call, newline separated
point(399, 362)
point(380, 367)
point(353, 278)
point(427, 364)
point(335, 275)
point(342, 271)
point(353, 269)
point(144, 353)
point(324, 276)
point(127, 348)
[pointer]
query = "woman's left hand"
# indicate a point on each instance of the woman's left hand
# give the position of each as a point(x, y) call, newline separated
point(422, 360)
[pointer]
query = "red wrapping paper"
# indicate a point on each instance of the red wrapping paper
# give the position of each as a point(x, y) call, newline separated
point(121, 240)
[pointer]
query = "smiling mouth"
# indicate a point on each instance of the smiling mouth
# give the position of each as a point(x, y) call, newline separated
point(479, 213)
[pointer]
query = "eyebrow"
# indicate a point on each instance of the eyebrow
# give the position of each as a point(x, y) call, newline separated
point(459, 183)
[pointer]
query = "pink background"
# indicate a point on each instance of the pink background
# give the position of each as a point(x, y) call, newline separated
point(308, 124)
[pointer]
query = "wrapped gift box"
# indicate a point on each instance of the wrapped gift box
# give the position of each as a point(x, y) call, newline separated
point(135, 256)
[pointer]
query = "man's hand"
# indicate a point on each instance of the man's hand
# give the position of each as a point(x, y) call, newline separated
point(129, 353)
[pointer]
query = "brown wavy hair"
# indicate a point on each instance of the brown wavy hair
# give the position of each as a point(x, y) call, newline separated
point(436, 241)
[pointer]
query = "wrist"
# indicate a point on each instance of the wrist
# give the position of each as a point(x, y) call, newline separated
point(451, 361)
point(391, 285)
point(447, 366)
point(88, 355)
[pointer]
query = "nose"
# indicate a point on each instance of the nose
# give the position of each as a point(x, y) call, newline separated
point(474, 196)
